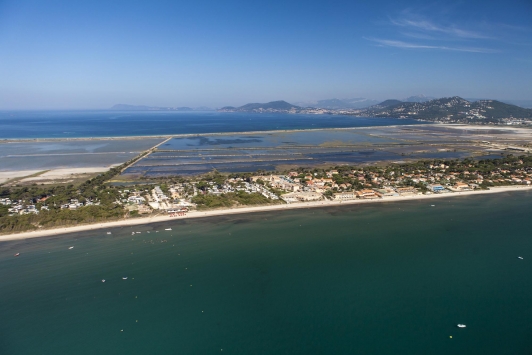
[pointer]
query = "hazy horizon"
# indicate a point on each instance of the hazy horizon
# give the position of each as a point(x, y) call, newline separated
point(93, 55)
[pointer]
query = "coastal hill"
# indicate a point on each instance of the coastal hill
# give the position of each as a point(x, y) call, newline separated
point(386, 104)
point(453, 110)
point(446, 110)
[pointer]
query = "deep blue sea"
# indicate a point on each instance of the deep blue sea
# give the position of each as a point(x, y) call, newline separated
point(74, 124)
point(386, 279)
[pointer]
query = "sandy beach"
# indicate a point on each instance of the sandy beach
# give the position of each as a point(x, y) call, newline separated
point(242, 210)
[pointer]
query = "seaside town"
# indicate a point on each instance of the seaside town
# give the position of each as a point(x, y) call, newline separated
point(31, 207)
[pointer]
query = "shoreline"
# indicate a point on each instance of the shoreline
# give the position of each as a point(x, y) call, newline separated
point(244, 210)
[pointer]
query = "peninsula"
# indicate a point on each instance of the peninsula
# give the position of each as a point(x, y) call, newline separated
point(98, 203)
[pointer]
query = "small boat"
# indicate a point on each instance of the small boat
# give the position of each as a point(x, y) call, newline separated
point(103, 280)
point(124, 278)
point(108, 232)
point(432, 205)
point(520, 257)
point(70, 248)
point(461, 325)
point(132, 233)
point(168, 229)
point(138, 232)
point(17, 254)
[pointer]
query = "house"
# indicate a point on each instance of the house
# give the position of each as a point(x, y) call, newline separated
point(343, 196)
point(301, 196)
point(436, 188)
point(387, 192)
point(461, 186)
point(367, 194)
point(136, 199)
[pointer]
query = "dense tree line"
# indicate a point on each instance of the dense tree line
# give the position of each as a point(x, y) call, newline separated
point(230, 199)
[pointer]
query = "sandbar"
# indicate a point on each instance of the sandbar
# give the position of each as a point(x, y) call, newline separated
point(52, 176)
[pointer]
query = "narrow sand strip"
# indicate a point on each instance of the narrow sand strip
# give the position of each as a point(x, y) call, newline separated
point(232, 211)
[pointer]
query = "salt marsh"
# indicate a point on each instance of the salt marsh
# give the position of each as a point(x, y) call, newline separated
point(249, 152)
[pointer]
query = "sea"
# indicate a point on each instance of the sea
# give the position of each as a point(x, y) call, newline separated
point(86, 124)
point(382, 278)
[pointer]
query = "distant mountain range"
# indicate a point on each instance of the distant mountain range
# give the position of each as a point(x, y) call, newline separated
point(123, 107)
point(355, 103)
point(418, 98)
point(449, 110)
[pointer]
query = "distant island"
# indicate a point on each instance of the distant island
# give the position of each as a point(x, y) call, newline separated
point(124, 107)
point(274, 106)
point(444, 110)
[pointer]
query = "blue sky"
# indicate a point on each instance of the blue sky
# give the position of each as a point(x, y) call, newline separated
point(93, 54)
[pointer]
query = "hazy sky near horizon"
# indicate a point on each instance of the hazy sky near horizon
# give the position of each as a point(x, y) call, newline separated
point(94, 54)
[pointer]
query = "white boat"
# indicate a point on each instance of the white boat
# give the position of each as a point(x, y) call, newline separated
point(71, 248)
point(168, 229)
point(17, 254)
point(108, 232)
point(124, 278)
point(103, 280)
point(461, 325)
point(520, 257)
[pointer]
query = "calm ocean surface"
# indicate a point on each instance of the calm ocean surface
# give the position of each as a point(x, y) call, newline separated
point(387, 278)
point(70, 124)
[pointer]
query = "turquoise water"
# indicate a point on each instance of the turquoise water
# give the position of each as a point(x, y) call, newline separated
point(388, 278)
